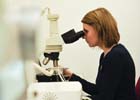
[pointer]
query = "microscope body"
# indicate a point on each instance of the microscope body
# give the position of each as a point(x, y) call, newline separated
point(54, 41)
point(53, 47)
point(51, 83)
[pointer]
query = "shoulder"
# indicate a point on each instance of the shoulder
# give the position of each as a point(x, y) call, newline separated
point(118, 54)
point(119, 51)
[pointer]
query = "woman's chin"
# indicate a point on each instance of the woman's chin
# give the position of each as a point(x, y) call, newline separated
point(91, 45)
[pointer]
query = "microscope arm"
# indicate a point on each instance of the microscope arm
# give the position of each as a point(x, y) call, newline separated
point(48, 72)
point(43, 70)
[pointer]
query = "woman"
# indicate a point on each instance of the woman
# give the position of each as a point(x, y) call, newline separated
point(116, 72)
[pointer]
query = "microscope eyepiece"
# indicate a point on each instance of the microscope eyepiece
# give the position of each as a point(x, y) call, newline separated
point(72, 36)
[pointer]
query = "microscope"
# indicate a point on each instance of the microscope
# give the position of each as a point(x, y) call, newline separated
point(51, 53)
point(53, 48)
point(51, 83)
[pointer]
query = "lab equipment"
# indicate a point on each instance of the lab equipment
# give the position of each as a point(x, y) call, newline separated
point(55, 91)
point(51, 84)
point(54, 47)
point(54, 44)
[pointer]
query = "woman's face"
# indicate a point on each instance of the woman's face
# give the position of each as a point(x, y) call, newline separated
point(91, 35)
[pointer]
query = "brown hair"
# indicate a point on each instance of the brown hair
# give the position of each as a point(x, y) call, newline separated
point(105, 24)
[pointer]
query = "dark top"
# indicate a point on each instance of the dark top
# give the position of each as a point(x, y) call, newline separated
point(115, 79)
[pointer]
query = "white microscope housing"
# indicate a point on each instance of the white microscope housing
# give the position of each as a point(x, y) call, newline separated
point(54, 41)
point(55, 91)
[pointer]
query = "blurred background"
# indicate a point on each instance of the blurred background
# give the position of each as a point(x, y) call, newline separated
point(23, 33)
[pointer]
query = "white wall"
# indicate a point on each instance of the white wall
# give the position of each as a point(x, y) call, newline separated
point(78, 56)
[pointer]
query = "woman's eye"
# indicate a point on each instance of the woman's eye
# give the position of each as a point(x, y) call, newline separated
point(85, 31)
